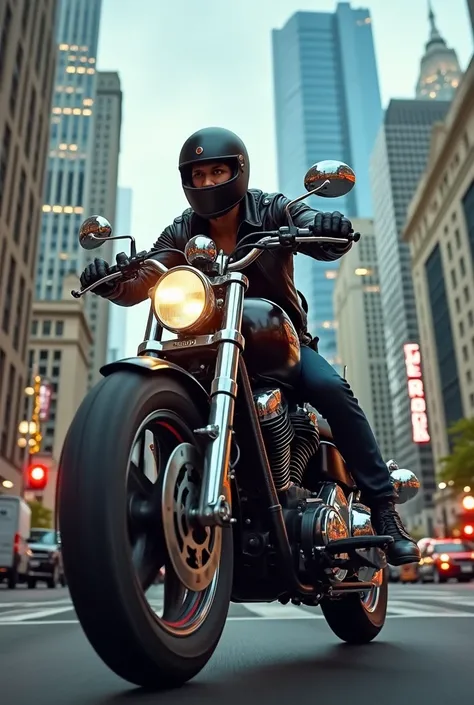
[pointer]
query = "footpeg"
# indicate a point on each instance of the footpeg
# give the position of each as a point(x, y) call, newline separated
point(356, 543)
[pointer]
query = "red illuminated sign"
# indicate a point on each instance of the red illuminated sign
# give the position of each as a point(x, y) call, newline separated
point(416, 392)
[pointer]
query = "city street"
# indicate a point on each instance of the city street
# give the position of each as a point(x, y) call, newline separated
point(267, 653)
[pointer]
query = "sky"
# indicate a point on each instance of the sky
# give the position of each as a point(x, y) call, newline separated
point(186, 64)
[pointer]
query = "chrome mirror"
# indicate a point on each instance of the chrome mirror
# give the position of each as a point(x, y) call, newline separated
point(94, 231)
point(405, 483)
point(331, 178)
point(201, 251)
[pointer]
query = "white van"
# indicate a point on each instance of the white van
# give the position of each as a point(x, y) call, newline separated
point(15, 524)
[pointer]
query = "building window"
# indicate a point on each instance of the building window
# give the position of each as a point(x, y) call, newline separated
point(443, 334)
point(468, 207)
point(46, 327)
point(8, 303)
point(59, 328)
point(4, 156)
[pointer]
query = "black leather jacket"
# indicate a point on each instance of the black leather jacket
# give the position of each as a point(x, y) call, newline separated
point(270, 276)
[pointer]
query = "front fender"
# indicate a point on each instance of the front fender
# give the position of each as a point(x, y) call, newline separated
point(152, 365)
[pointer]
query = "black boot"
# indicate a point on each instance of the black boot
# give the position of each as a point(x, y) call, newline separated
point(386, 522)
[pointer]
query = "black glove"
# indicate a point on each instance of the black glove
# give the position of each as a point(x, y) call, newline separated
point(332, 225)
point(94, 271)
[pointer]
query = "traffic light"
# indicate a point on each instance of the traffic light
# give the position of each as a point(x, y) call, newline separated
point(36, 477)
point(467, 517)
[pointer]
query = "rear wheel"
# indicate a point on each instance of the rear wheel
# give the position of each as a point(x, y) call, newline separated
point(130, 471)
point(358, 618)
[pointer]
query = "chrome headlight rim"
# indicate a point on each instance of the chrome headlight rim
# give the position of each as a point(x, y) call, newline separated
point(209, 303)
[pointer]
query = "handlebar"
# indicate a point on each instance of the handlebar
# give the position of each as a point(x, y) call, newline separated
point(271, 240)
point(115, 273)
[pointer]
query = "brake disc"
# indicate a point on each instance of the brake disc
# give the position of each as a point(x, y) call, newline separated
point(194, 551)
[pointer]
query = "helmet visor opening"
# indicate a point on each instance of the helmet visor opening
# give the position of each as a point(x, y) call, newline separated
point(187, 169)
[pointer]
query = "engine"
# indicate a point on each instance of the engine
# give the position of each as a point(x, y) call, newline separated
point(291, 439)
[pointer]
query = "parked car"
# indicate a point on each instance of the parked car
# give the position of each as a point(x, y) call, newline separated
point(46, 563)
point(15, 521)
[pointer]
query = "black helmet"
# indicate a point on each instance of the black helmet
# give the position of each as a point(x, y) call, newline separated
point(214, 144)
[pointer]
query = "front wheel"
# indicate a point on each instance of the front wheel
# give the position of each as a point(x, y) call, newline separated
point(357, 618)
point(112, 511)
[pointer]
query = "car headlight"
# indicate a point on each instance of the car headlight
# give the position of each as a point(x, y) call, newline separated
point(183, 300)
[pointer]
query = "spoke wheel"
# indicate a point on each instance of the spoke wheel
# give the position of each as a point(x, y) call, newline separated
point(162, 539)
point(142, 621)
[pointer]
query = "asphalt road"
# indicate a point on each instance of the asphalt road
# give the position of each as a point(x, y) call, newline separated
point(268, 653)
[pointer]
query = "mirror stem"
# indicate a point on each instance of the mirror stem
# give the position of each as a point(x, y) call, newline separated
point(301, 198)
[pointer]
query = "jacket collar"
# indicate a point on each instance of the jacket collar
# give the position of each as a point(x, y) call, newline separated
point(250, 214)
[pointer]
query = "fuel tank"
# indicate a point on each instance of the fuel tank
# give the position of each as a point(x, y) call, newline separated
point(272, 348)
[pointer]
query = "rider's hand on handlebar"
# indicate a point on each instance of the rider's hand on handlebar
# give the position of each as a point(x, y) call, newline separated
point(332, 225)
point(98, 269)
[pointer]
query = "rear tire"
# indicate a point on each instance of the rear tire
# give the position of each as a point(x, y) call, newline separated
point(353, 621)
point(109, 601)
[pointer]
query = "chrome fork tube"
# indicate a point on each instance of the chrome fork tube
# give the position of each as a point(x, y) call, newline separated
point(214, 505)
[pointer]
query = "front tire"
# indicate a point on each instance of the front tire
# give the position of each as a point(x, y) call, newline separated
point(95, 531)
point(355, 619)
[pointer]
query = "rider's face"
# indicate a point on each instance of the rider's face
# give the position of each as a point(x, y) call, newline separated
point(210, 174)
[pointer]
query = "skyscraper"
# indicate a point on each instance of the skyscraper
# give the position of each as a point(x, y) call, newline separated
point(358, 311)
point(470, 7)
point(323, 63)
point(71, 142)
point(27, 56)
point(102, 200)
point(118, 314)
point(398, 162)
point(441, 235)
point(440, 72)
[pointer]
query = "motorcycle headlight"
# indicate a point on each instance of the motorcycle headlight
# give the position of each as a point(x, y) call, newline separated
point(183, 300)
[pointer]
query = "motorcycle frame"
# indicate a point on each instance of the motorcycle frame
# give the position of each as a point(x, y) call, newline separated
point(231, 377)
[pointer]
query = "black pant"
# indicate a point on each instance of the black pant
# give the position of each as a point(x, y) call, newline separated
point(331, 395)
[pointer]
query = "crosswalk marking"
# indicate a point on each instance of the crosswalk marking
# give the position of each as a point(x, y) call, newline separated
point(410, 603)
point(34, 615)
point(274, 610)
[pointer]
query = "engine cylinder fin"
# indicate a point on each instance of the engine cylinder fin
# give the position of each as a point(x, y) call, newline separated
point(277, 433)
point(305, 443)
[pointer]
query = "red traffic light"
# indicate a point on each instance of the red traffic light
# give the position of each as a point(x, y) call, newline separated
point(36, 476)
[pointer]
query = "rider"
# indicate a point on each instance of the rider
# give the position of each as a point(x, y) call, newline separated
point(214, 167)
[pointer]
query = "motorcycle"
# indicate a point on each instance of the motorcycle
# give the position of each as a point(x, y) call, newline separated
point(195, 461)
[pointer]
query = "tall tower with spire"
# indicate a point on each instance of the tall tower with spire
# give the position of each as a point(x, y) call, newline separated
point(440, 72)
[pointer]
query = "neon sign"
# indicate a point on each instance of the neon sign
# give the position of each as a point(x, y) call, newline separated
point(416, 392)
point(45, 392)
